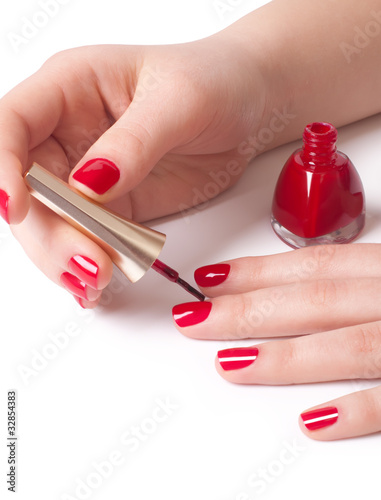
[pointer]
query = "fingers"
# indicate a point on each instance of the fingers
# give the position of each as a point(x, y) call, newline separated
point(123, 156)
point(319, 262)
point(65, 255)
point(24, 123)
point(293, 309)
point(356, 414)
point(348, 353)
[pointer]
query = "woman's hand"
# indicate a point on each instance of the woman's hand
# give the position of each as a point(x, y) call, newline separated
point(156, 130)
point(331, 293)
point(149, 127)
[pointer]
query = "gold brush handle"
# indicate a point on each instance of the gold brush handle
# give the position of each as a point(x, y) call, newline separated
point(132, 247)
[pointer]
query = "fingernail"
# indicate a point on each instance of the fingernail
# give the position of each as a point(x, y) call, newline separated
point(211, 275)
point(322, 417)
point(77, 287)
point(85, 269)
point(79, 300)
point(191, 313)
point(98, 174)
point(4, 198)
point(74, 285)
point(236, 358)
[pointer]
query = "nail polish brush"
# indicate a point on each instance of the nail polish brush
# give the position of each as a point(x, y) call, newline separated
point(132, 247)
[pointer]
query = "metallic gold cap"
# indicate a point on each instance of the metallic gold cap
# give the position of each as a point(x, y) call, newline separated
point(132, 247)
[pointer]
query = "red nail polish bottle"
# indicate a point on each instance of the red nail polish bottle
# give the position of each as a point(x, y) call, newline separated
point(319, 197)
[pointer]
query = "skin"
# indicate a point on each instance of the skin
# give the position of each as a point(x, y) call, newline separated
point(184, 111)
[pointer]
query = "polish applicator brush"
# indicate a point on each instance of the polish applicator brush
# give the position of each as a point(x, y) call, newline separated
point(132, 247)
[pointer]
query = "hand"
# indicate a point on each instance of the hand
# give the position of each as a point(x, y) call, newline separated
point(329, 292)
point(165, 121)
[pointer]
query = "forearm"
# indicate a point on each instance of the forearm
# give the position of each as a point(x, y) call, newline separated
point(317, 63)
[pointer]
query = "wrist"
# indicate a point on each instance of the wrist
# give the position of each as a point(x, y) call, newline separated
point(268, 81)
point(297, 46)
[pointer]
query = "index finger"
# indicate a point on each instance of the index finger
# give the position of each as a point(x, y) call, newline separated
point(306, 264)
point(28, 115)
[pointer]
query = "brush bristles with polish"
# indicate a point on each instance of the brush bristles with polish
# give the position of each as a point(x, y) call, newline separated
point(189, 288)
point(173, 276)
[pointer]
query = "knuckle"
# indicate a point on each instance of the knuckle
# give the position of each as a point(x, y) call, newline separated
point(323, 293)
point(317, 261)
point(370, 407)
point(366, 339)
point(58, 59)
point(289, 357)
point(324, 256)
point(311, 261)
point(66, 67)
point(137, 136)
point(242, 312)
point(53, 60)
point(256, 267)
point(244, 307)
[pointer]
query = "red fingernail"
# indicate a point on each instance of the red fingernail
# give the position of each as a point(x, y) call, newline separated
point(236, 358)
point(79, 300)
point(211, 275)
point(4, 198)
point(98, 174)
point(85, 269)
point(191, 313)
point(74, 285)
point(322, 417)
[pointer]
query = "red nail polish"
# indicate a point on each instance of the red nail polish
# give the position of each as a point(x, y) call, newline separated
point(191, 313)
point(322, 417)
point(4, 198)
point(211, 275)
point(98, 174)
point(79, 300)
point(236, 358)
point(319, 197)
point(74, 285)
point(85, 269)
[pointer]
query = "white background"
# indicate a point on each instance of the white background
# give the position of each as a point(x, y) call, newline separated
point(74, 411)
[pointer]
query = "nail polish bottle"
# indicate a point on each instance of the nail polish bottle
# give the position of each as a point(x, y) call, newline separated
point(319, 197)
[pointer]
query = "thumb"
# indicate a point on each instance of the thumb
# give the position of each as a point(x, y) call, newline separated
point(125, 154)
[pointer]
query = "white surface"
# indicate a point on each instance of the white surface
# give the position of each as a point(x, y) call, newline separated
point(127, 355)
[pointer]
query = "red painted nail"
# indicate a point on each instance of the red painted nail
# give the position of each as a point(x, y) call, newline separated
point(236, 358)
point(211, 275)
point(98, 174)
point(322, 417)
point(80, 302)
point(4, 198)
point(85, 269)
point(74, 285)
point(191, 313)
